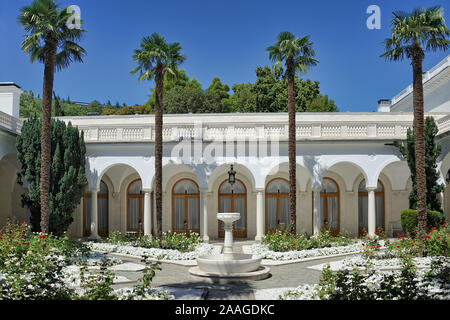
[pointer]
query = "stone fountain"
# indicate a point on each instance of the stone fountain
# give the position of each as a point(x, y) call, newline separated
point(228, 264)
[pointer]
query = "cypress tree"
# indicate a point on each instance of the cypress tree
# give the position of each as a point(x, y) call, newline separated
point(67, 173)
point(432, 152)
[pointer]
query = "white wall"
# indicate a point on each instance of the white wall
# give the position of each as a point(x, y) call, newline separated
point(10, 100)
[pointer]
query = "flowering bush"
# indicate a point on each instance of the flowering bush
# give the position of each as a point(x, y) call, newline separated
point(372, 245)
point(98, 285)
point(263, 251)
point(43, 267)
point(175, 241)
point(406, 284)
point(404, 247)
point(29, 267)
point(155, 253)
point(283, 241)
point(436, 241)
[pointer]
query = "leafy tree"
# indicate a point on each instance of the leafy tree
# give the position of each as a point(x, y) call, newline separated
point(51, 42)
point(271, 95)
point(298, 56)
point(29, 105)
point(67, 172)
point(412, 34)
point(156, 58)
point(321, 103)
point(270, 91)
point(170, 82)
point(243, 99)
point(126, 110)
point(186, 99)
point(432, 152)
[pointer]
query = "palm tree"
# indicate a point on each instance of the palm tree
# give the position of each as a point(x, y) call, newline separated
point(412, 34)
point(298, 56)
point(51, 42)
point(156, 58)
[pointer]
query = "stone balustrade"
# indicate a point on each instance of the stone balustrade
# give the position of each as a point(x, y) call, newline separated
point(338, 126)
point(9, 123)
point(310, 126)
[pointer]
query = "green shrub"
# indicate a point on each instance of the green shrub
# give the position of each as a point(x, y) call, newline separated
point(177, 241)
point(283, 240)
point(409, 220)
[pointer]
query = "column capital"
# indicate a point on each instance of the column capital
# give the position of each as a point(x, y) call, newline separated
point(370, 189)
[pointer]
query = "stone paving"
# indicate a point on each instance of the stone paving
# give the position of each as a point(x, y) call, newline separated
point(177, 280)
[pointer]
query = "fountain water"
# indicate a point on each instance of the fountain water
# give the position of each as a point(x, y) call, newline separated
point(230, 265)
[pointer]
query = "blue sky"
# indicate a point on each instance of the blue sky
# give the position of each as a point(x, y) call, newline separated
point(226, 39)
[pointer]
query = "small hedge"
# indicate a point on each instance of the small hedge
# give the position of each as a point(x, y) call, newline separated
point(409, 220)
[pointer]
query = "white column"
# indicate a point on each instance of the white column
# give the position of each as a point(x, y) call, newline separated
point(372, 211)
point(147, 214)
point(316, 211)
point(204, 215)
point(94, 216)
point(260, 221)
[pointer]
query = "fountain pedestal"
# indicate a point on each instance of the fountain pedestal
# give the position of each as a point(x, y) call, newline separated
point(230, 265)
point(228, 219)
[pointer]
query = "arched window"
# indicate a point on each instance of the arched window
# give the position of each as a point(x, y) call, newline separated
point(185, 206)
point(234, 199)
point(277, 205)
point(329, 207)
point(135, 205)
point(102, 209)
point(363, 206)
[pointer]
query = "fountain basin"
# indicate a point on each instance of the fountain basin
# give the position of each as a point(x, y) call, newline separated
point(216, 268)
point(239, 263)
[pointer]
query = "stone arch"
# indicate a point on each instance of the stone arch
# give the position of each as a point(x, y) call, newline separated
point(303, 176)
point(325, 165)
point(398, 174)
point(116, 173)
point(96, 168)
point(174, 172)
point(222, 171)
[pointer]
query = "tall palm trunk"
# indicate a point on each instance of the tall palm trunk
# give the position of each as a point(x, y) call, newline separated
point(49, 71)
point(417, 58)
point(159, 80)
point(292, 146)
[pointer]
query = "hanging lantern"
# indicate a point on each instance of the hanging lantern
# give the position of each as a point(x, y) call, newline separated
point(231, 176)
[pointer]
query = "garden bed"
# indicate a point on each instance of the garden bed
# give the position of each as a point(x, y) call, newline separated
point(406, 283)
point(265, 253)
point(153, 253)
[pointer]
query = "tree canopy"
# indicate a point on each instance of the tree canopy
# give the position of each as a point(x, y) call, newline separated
point(185, 95)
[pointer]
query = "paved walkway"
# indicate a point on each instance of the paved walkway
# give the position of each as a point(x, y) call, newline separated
point(177, 276)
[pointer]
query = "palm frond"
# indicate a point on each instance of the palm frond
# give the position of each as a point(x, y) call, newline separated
point(43, 20)
point(423, 26)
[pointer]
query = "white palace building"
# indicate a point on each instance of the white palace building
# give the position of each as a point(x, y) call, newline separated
point(349, 176)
